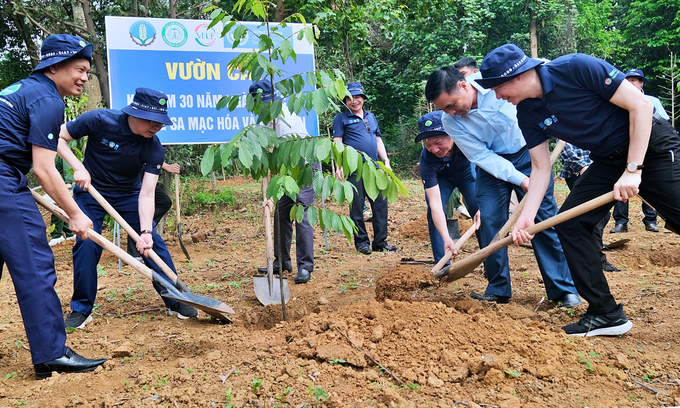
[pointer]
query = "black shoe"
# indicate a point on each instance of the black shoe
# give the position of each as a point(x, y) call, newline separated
point(386, 247)
point(607, 267)
point(569, 300)
point(651, 227)
point(364, 249)
point(619, 228)
point(303, 276)
point(276, 269)
point(68, 363)
point(610, 324)
point(77, 320)
point(182, 311)
point(490, 298)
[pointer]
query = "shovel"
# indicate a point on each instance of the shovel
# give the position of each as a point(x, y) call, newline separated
point(210, 306)
point(467, 265)
point(457, 245)
point(266, 290)
point(616, 244)
point(179, 221)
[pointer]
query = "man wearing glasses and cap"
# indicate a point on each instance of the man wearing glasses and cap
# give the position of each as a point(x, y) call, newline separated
point(120, 144)
point(358, 128)
point(485, 130)
point(31, 112)
point(443, 167)
point(637, 78)
point(587, 102)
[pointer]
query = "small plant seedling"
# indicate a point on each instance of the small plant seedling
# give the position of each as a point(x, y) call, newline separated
point(190, 370)
point(70, 330)
point(10, 375)
point(413, 386)
point(317, 393)
point(649, 377)
point(228, 396)
point(287, 390)
point(589, 363)
point(512, 373)
point(337, 361)
point(100, 271)
point(256, 384)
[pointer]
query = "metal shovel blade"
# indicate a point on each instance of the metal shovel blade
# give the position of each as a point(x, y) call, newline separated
point(211, 306)
point(616, 244)
point(270, 295)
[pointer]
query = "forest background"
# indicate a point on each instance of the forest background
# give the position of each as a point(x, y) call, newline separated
point(390, 46)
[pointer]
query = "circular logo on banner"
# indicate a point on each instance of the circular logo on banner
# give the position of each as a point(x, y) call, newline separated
point(142, 33)
point(174, 34)
point(10, 89)
point(205, 36)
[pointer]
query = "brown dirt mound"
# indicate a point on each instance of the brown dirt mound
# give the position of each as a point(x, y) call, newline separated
point(404, 283)
point(416, 229)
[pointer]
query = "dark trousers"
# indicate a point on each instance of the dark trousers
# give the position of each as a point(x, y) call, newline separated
point(60, 227)
point(465, 181)
point(660, 187)
point(621, 213)
point(30, 262)
point(493, 197)
point(162, 203)
point(599, 227)
point(304, 232)
point(356, 213)
point(86, 253)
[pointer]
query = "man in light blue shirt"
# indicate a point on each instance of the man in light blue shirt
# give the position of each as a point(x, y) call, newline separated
point(485, 129)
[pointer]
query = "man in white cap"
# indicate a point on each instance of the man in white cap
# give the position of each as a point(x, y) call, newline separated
point(120, 144)
point(588, 102)
point(31, 112)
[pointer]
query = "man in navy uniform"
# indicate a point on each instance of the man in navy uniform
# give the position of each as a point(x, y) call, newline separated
point(587, 102)
point(485, 130)
point(358, 128)
point(31, 112)
point(443, 167)
point(120, 144)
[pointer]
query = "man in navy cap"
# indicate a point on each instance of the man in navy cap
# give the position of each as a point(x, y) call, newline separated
point(358, 128)
point(304, 233)
point(637, 78)
point(31, 112)
point(587, 102)
point(120, 144)
point(485, 130)
point(443, 167)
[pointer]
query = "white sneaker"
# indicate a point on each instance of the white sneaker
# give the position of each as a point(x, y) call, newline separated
point(55, 241)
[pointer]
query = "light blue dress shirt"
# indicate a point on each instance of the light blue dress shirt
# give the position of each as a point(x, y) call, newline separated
point(658, 107)
point(486, 132)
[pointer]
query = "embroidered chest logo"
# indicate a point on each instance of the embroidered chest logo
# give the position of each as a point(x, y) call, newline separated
point(353, 121)
point(547, 122)
point(110, 144)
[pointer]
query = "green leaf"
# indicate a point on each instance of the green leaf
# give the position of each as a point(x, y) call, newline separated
point(250, 103)
point(295, 152)
point(273, 186)
point(317, 183)
point(312, 215)
point(323, 148)
point(299, 83)
point(348, 226)
point(311, 78)
point(286, 50)
point(352, 158)
point(309, 34)
point(309, 104)
point(381, 179)
point(233, 103)
point(245, 154)
point(227, 151)
point(222, 102)
point(392, 192)
point(369, 181)
point(336, 222)
point(349, 191)
point(207, 161)
point(238, 34)
point(291, 187)
point(327, 186)
point(341, 89)
point(339, 146)
point(300, 213)
point(310, 147)
point(339, 192)
point(276, 108)
point(320, 101)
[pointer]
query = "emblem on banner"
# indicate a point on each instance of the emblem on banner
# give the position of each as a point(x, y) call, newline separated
point(142, 33)
point(205, 36)
point(174, 34)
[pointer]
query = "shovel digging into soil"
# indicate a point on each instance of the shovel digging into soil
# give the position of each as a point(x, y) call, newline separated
point(180, 293)
point(467, 265)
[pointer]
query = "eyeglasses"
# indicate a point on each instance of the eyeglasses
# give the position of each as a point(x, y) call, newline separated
point(155, 125)
point(368, 128)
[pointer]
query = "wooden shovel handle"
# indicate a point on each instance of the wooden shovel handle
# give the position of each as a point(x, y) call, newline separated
point(479, 256)
point(131, 232)
point(179, 220)
point(457, 245)
point(103, 242)
point(268, 231)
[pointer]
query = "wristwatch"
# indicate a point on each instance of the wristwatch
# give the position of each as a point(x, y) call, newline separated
point(146, 232)
point(633, 167)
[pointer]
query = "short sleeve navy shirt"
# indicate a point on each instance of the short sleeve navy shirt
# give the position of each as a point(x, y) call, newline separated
point(357, 133)
point(31, 113)
point(114, 155)
point(575, 106)
point(433, 168)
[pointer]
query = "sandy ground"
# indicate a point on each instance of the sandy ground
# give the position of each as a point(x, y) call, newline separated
point(437, 347)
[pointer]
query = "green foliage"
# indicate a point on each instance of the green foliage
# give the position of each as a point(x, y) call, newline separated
point(256, 384)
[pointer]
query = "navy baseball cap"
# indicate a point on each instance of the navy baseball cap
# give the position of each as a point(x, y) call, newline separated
point(503, 64)
point(150, 105)
point(637, 73)
point(430, 124)
point(266, 87)
point(60, 47)
point(355, 88)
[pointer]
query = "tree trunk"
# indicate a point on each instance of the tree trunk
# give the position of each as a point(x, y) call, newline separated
point(534, 36)
point(25, 33)
point(279, 12)
point(102, 75)
point(173, 8)
point(146, 8)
